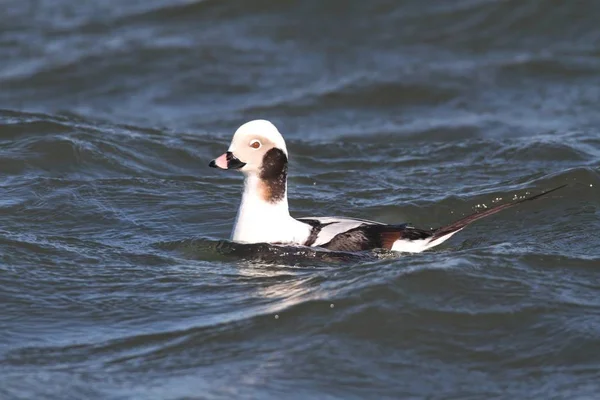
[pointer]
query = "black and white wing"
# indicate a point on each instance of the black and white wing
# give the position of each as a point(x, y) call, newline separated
point(353, 234)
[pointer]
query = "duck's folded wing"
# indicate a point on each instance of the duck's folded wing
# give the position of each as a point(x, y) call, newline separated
point(368, 237)
point(351, 234)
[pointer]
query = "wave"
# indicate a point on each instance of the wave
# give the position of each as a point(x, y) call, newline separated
point(113, 269)
point(42, 143)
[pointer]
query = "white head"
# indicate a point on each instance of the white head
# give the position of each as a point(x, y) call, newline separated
point(258, 149)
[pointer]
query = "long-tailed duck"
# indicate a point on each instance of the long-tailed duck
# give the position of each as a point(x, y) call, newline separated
point(259, 152)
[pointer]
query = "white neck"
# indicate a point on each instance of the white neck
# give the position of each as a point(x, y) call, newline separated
point(260, 221)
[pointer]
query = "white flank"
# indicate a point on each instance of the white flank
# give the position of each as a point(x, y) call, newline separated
point(418, 246)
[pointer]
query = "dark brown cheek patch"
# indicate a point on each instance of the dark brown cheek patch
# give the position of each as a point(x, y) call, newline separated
point(273, 175)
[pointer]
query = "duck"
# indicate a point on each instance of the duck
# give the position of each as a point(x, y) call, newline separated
point(259, 152)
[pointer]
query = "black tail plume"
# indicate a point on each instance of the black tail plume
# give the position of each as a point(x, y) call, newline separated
point(461, 223)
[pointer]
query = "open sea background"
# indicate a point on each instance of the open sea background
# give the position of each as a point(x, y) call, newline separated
point(116, 277)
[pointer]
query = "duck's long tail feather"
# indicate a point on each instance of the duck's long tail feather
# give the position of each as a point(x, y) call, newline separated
point(443, 233)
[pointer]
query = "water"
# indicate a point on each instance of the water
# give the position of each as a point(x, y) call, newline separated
point(116, 278)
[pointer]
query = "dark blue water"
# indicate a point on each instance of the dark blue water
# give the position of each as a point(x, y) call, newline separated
point(116, 277)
